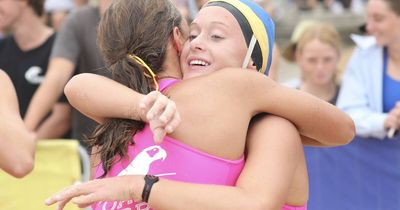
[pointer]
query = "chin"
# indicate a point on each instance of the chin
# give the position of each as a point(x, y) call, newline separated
point(381, 42)
point(322, 82)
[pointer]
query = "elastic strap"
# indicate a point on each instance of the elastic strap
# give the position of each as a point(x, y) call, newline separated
point(142, 63)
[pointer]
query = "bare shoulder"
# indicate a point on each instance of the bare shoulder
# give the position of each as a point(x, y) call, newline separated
point(239, 76)
point(232, 81)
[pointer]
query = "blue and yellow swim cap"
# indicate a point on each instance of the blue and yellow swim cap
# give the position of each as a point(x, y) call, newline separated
point(253, 21)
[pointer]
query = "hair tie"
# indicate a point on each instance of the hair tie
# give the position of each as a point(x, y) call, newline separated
point(142, 63)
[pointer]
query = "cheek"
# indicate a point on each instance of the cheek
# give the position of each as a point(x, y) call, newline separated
point(233, 51)
point(7, 13)
point(304, 64)
point(184, 53)
point(386, 28)
point(237, 58)
point(392, 32)
point(332, 65)
point(227, 57)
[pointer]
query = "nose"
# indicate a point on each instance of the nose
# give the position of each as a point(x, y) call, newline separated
point(320, 65)
point(197, 43)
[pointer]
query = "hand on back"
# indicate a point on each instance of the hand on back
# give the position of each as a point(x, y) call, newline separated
point(160, 112)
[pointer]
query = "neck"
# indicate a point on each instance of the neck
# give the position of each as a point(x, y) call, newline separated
point(171, 66)
point(30, 31)
point(394, 52)
point(325, 92)
point(171, 70)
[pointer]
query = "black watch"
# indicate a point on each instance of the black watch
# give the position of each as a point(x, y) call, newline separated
point(149, 180)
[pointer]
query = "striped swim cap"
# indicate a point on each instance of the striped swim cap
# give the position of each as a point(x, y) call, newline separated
point(253, 21)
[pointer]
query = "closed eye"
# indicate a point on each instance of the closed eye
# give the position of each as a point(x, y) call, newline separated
point(216, 37)
point(191, 37)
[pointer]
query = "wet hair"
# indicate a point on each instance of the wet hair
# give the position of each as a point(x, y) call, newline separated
point(394, 5)
point(37, 6)
point(141, 28)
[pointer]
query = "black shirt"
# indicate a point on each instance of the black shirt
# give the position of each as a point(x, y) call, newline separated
point(25, 68)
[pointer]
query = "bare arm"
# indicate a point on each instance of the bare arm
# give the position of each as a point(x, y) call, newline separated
point(57, 124)
point(318, 121)
point(59, 72)
point(314, 118)
point(100, 98)
point(17, 145)
point(263, 184)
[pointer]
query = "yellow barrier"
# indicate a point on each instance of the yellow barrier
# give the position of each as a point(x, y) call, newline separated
point(57, 165)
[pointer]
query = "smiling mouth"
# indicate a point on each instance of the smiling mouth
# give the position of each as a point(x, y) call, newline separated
point(198, 63)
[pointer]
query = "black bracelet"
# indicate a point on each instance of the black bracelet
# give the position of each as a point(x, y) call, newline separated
point(149, 180)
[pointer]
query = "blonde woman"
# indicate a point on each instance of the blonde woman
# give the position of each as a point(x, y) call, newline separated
point(316, 50)
point(317, 53)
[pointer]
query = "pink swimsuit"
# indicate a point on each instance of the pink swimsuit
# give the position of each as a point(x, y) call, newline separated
point(170, 160)
point(287, 207)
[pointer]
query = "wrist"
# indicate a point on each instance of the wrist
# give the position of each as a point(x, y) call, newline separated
point(149, 181)
point(140, 109)
point(133, 111)
point(135, 191)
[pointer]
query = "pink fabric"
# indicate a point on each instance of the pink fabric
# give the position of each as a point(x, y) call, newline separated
point(287, 207)
point(164, 84)
point(171, 160)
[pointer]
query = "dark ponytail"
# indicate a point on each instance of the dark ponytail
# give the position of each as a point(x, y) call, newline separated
point(141, 28)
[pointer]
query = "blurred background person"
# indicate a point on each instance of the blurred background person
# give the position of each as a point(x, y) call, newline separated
point(57, 10)
point(316, 50)
point(183, 7)
point(373, 98)
point(311, 4)
point(365, 173)
point(74, 51)
point(24, 55)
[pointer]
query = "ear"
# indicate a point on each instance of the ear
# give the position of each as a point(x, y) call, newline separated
point(177, 40)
